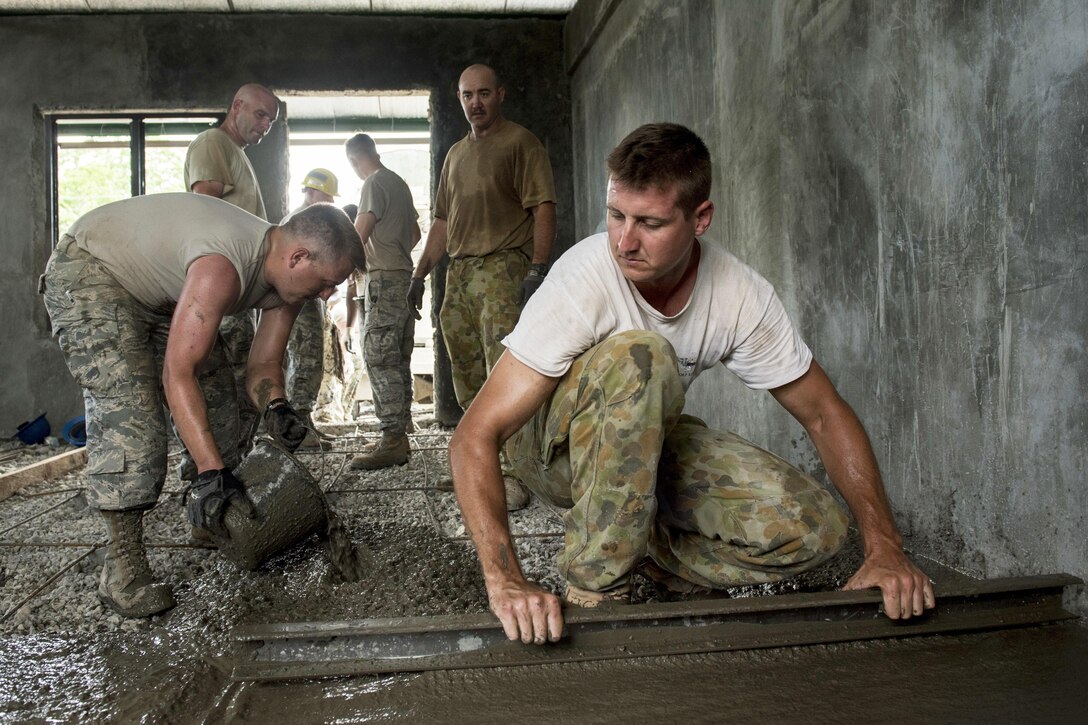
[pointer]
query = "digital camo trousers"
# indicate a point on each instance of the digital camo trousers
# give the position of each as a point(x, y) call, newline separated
point(306, 356)
point(480, 309)
point(114, 348)
point(236, 336)
point(388, 338)
point(640, 479)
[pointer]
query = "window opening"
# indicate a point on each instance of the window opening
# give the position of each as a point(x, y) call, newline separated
point(101, 158)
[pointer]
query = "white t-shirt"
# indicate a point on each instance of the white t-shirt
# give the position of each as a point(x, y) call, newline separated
point(733, 317)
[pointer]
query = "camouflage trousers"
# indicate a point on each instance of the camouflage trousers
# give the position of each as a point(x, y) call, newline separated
point(305, 356)
point(114, 347)
point(236, 334)
point(640, 479)
point(480, 308)
point(388, 339)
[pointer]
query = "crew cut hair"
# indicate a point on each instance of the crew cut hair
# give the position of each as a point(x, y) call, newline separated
point(664, 156)
point(327, 232)
point(360, 145)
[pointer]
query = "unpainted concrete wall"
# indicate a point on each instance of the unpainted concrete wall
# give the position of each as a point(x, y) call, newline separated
point(195, 62)
point(911, 176)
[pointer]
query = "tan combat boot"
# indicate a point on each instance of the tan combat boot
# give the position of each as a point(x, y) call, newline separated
point(392, 450)
point(127, 584)
point(589, 599)
point(517, 495)
point(672, 588)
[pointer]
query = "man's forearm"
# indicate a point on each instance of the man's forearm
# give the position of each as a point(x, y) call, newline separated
point(190, 415)
point(544, 224)
point(851, 465)
point(264, 383)
point(433, 250)
point(478, 484)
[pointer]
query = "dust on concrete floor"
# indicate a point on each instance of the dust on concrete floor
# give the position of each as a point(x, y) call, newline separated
point(66, 656)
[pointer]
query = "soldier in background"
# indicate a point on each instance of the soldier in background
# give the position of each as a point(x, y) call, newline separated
point(306, 350)
point(216, 165)
point(387, 223)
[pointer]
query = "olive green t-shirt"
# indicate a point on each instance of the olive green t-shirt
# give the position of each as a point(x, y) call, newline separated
point(213, 156)
point(388, 198)
point(488, 188)
point(148, 242)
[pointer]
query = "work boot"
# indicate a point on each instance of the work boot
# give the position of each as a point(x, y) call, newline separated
point(517, 495)
point(127, 584)
point(590, 600)
point(392, 450)
point(202, 538)
point(672, 588)
point(315, 440)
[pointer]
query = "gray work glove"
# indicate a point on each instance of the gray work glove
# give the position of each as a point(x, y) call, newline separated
point(285, 424)
point(532, 281)
point(415, 296)
point(206, 500)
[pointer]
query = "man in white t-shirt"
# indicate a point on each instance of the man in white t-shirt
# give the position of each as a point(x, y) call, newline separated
point(589, 399)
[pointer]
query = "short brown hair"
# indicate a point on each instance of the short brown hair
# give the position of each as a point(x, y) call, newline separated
point(360, 145)
point(664, 156)
point(330, 234)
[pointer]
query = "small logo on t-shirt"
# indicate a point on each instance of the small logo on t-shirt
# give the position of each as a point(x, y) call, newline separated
point(686, 366)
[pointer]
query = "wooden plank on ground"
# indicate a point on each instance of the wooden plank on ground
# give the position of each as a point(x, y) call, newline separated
point(46, 470)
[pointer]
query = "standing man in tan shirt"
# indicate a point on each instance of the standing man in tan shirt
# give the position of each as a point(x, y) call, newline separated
point(494, 214)
point(386, 222)
point(216, 165)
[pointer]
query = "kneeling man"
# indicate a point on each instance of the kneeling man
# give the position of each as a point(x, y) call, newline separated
point(589, 396)
point(135, 292)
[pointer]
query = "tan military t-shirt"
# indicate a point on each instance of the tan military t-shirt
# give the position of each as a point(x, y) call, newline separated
point(388, 198)
point(487, 189)
point(148, 242)
point(213, 156)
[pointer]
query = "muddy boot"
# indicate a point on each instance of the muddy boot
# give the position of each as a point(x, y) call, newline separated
point(392, 450)
point(588, 599)
point(314, 440)
point(127, 584)
point(671, 588)
point(202, 538)
point(517, 495)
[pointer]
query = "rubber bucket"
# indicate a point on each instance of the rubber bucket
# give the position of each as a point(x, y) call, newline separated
point(75, 431)
point(34, 431)
point(290, 507)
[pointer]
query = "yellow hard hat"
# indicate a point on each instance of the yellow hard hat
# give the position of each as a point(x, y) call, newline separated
point(322, 180)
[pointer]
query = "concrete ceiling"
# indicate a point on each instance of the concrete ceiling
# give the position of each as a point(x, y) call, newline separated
point(383, 7)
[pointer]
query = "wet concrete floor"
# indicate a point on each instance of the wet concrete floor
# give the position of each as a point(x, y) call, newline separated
point(64, 657)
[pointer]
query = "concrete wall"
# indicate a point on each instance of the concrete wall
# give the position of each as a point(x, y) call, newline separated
point(186, 62)
point(911, 177)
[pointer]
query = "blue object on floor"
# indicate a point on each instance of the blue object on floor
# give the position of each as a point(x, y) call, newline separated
point(35, 431)
point(75, 431)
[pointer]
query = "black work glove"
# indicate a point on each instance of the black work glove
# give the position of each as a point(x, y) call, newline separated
point(207, 497)
point(284, 424)
point(415, 296)
point(532, 282)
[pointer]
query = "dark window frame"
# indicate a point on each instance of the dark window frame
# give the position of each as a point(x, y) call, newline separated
point(137, 147)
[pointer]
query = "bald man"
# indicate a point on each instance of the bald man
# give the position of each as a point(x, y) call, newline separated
point(494, 214)
point(216, 165)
